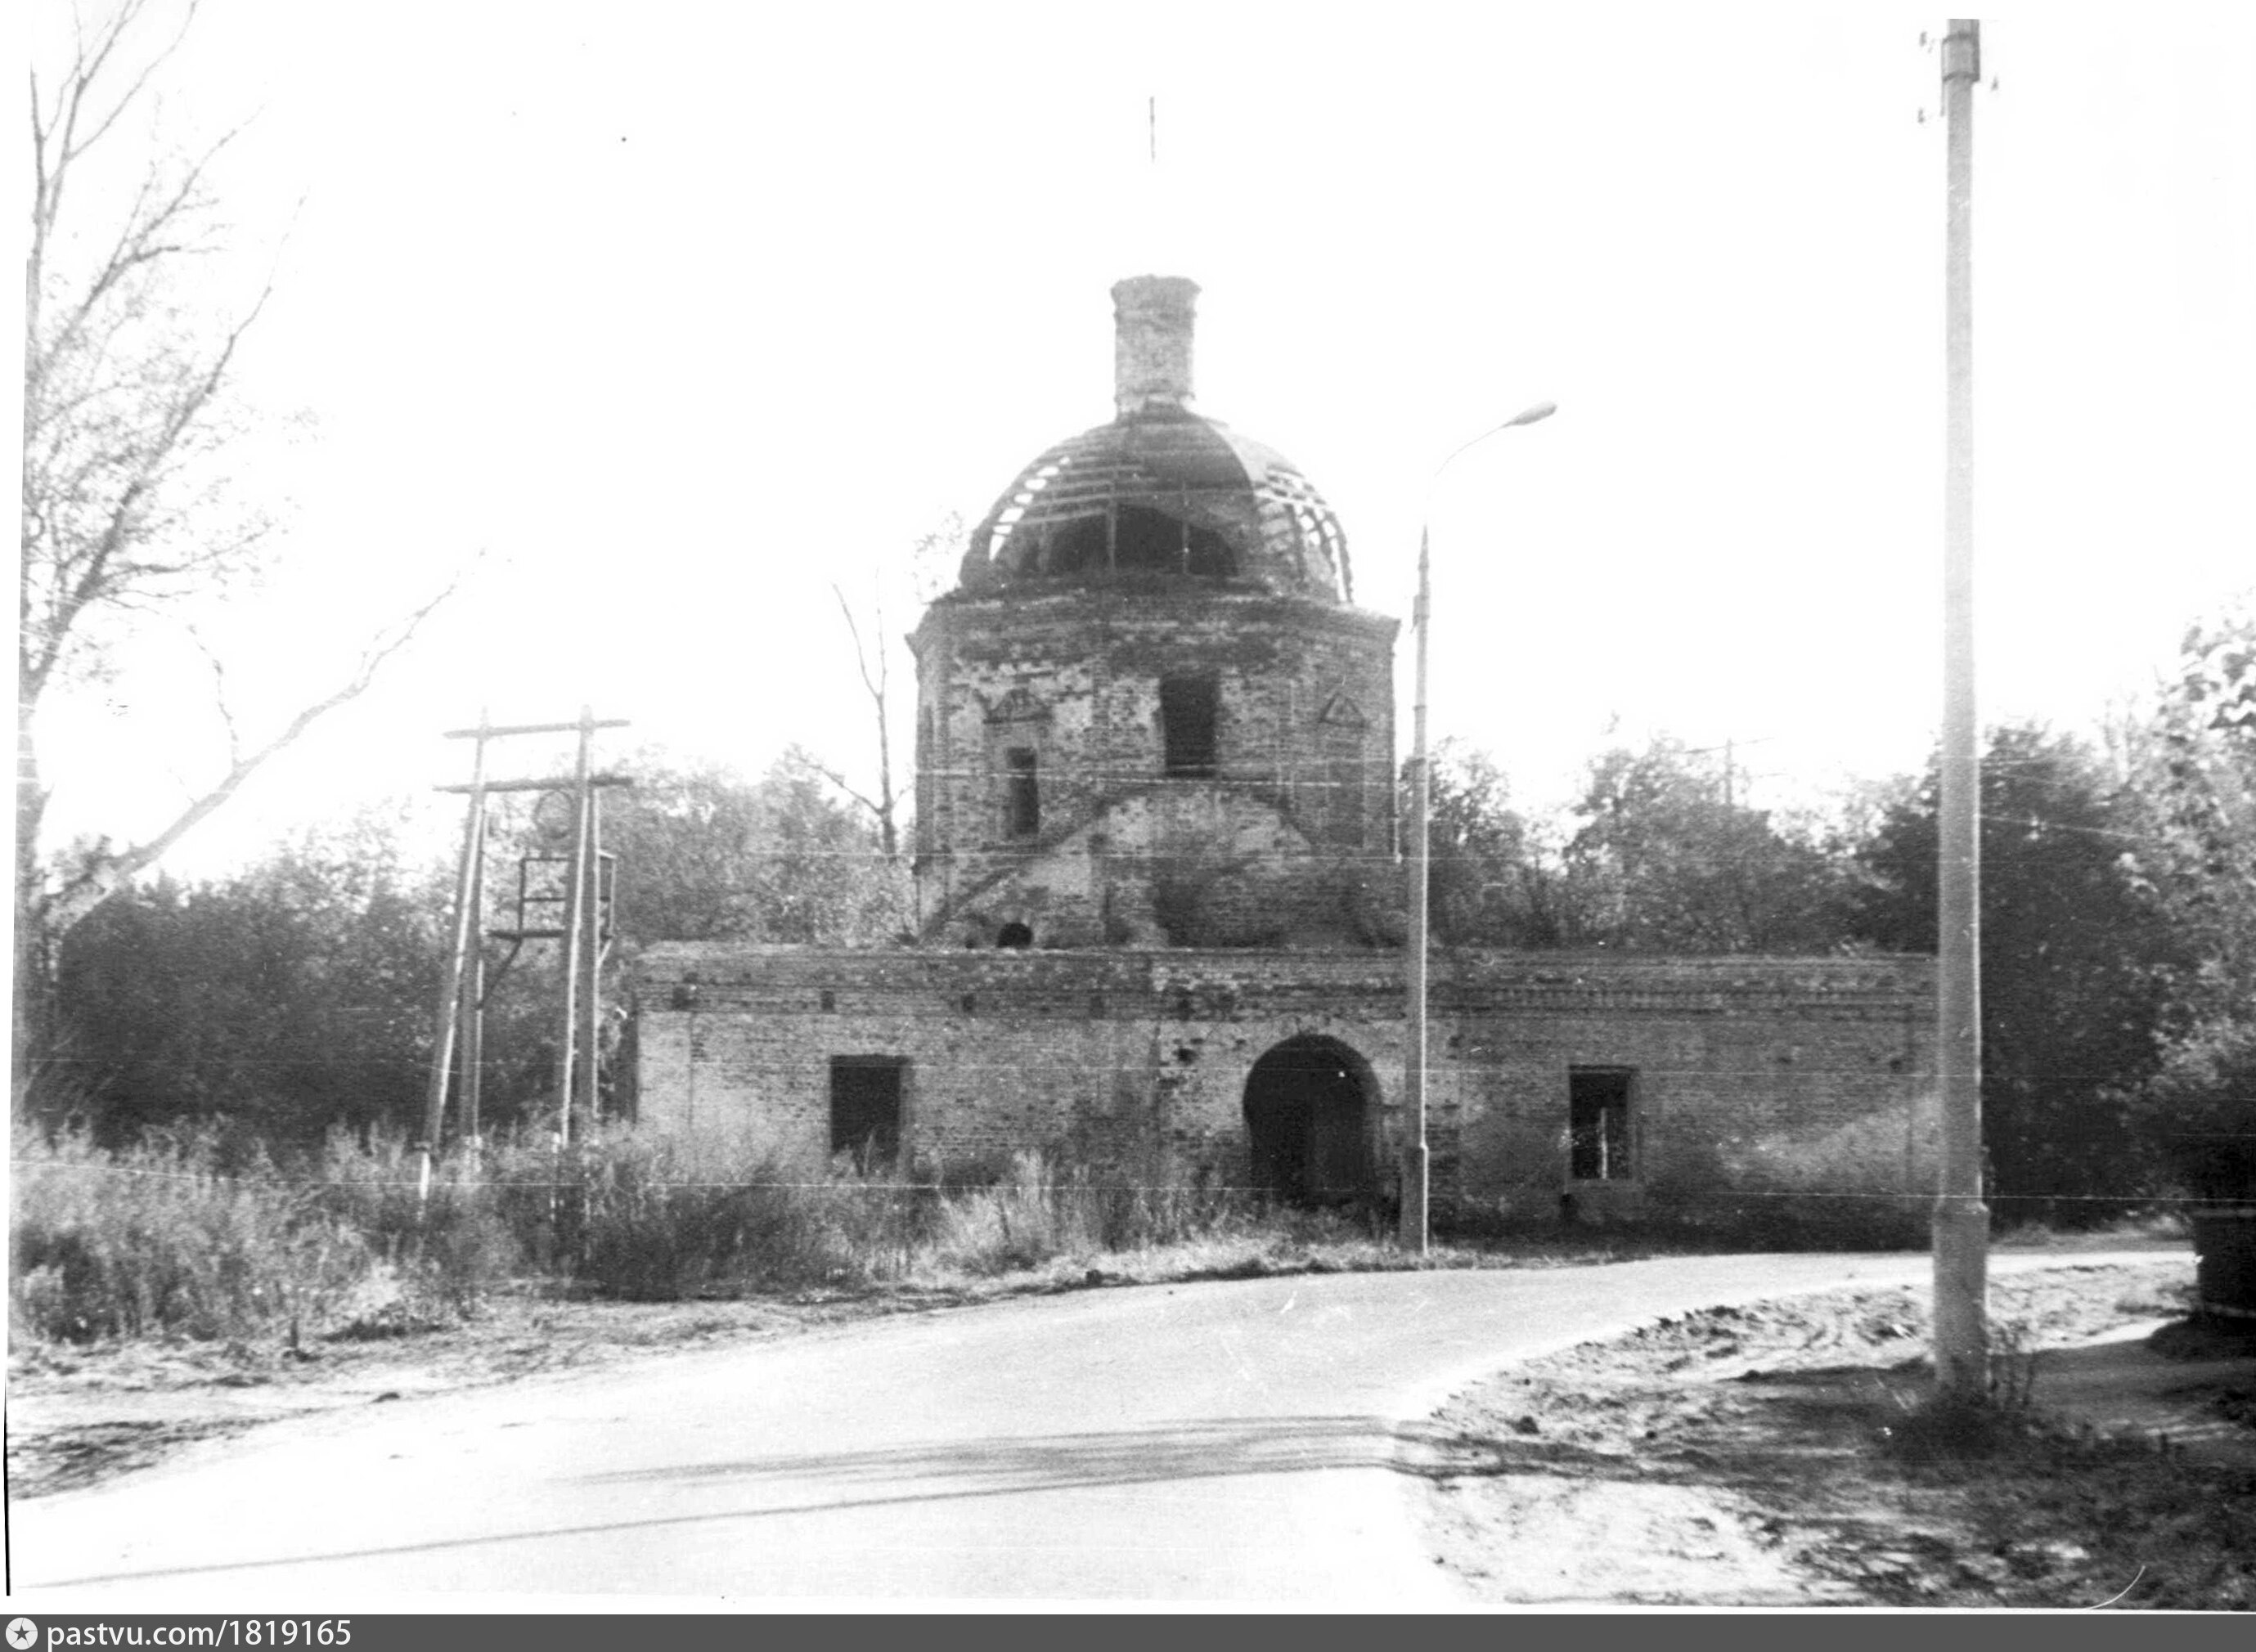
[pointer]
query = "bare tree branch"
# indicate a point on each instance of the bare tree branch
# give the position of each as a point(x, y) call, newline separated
point(853, 629)
point(103, 874)
point(877, 685)
point(219, 695)
point(814, 765)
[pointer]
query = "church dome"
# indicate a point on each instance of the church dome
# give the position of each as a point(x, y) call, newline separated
point(1161, 492)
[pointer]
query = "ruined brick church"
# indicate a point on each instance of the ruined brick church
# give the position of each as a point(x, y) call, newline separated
point(1159, 901)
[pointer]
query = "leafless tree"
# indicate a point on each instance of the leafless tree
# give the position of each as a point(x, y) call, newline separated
point(876, 682)
point(931, 556)
point(126, 408)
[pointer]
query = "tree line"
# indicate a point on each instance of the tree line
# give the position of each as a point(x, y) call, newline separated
point(295, 996)
point(2117, 916)
point(2118, 931)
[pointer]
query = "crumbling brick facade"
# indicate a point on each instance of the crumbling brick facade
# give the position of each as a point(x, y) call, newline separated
point(1281, 832)
point(1161, 903)
point(1762, 1076)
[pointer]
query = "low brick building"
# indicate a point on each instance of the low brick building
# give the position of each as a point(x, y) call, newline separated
point(1161, 909)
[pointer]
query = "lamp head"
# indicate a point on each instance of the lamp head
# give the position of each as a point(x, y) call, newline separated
point(1540, 410)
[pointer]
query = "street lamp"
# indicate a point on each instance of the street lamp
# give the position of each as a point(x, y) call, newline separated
point(1413, 1229)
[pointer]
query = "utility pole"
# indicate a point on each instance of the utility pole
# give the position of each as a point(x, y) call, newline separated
point(582, 933)
point(473, 1013)
point(1417, 1157)
point(576, 1054)
point(1962, 1220)
point(465, 941)
point(1412, 1228)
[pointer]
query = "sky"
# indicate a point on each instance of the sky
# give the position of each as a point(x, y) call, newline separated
point(662, 319)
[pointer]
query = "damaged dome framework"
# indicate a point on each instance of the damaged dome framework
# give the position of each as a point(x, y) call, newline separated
point(1168, 493)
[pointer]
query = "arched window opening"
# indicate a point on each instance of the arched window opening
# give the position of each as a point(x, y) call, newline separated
point(1014, 937)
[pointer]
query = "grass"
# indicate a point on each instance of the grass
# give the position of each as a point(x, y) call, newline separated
point(174, 1239)
point(161, 1239)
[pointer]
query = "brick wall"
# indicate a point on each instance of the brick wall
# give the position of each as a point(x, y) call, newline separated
point(1768, 1077)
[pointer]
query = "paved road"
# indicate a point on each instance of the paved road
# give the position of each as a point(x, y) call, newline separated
point(1212, 1441)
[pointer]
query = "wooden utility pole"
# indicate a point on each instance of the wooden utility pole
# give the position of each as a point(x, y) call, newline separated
point(1962, 1220)
point(465, 930)
point(462, 998)
point(576, 1056)
point(473, 1013)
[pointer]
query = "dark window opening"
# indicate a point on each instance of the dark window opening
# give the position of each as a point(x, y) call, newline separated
point(1342, 807)
point(1597, 1124)
point(1188, 714)
point(1152, 542)
point(925, 761)
point(1022, 796)
point(1079, 547)
point(865, 1107)
point(1015, 935)
point(1138, 539)
point(1208, 555)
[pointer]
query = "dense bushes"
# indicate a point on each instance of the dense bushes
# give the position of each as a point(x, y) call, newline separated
point(170, 1237)
point(2202, 1107)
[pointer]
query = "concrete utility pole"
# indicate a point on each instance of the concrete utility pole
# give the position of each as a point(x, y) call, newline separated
point(1411, 1227)
point(1962, 1220)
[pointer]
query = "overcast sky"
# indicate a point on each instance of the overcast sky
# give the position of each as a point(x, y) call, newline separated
point(678, 313)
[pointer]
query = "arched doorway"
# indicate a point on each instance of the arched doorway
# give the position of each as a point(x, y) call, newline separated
point(1310, 1104)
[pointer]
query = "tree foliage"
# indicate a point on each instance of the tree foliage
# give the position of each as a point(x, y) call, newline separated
point(1654, 856)
point(290, 997)
point(2194, 765)
point(1665, 859)
point(707, 855)
point(1487, 883)
point(2077, 963)
point(299, 994)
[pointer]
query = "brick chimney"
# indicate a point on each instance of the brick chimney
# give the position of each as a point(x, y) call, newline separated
point(1152, 343)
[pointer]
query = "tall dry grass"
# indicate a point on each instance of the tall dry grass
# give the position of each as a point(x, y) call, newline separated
point(168, 1239)
point(161, 1239)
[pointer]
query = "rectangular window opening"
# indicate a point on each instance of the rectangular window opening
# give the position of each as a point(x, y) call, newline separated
point(865, 1107)
point(1022, 800)
point(1597, 1124)
point(1189, 711)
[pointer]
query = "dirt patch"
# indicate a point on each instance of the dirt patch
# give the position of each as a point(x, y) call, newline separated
point(1782, 1454)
